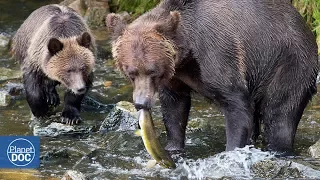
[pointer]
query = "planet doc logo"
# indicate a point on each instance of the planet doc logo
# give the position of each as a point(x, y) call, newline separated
point(21, 152)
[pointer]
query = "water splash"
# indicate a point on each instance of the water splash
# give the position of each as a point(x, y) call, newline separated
point(236, 164)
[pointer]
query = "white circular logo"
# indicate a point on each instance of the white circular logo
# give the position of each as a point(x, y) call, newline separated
point(21, 152)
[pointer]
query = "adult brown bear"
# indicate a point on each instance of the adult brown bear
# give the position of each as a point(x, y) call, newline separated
point(55, 46)
point(256, 60)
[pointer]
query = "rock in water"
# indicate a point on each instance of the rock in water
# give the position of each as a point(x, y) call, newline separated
point(8, 74)
point(10, 91)
point(55, 129)
point(96, 13)
point(4, 41)
point(55, 154)
point(78, 5)
point(73, 175)
point(123, 117)
point(314, 150)
point(4, 98)
point(274, 168)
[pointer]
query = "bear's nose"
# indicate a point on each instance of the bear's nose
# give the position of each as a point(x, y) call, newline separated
point(82, 90)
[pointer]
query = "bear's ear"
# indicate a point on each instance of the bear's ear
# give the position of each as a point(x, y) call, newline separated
point(84, 40)
point(115, 24)
point(54, 46)
point(170, 25)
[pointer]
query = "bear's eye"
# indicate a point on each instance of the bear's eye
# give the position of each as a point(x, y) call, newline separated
point(83, 68)
point(132, 76)
point(69, 70)
point(150, 73)
point(161, 76)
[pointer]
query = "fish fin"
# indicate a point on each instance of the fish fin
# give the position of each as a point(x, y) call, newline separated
point(137, 132)
point(151, 163)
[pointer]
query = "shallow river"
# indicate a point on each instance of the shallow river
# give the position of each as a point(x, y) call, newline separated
point(121, 155)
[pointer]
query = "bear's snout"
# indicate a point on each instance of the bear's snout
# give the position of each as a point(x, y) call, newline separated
point(77, 83)
point(143, 105)
point(143, 92)
point(81, 90)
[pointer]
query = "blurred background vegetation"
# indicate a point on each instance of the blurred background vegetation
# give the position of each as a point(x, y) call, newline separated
point(309, 9)
point(136, 7)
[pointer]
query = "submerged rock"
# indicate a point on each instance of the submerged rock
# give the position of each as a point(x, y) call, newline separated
point(10, 91)
point(314, 150)
point(276, 169)
point(55, 154)
point(55, 129)
point(7, 74)
point(282, 169)
point(5, 98)
point(73, 175)
point(4, 41)
point(14, 89)
point(122, 117)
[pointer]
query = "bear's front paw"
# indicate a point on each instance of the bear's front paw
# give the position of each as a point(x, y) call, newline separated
point(53, 99)
point(70, 116)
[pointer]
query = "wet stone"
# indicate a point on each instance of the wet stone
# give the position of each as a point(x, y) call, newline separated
point(123, 117)
point(8, 74)
point(55, 129)
point(10, 91)
point(73, 175)
point(78, 5)
point(55, 154)
point(314, 150)
point(4, 41)
point(14, 89)
point(194, 125)
point(274, 168)
point(5, 98)
point(96, 13)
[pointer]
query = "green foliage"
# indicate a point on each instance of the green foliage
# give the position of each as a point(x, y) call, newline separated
point(136, 7)
point(310, 10)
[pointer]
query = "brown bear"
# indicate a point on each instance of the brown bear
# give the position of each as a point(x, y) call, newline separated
point(256, 60)
point(55, 46)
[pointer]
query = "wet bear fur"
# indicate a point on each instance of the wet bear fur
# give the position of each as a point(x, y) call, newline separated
point(256, 60)
point(55, 46)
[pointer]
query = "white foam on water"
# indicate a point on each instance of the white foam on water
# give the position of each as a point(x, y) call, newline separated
point(306, 171)
point(234, 164)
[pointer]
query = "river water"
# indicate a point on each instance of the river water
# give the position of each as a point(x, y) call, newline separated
point(121, 155)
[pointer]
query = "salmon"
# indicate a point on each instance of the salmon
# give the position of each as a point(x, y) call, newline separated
point(151, 142)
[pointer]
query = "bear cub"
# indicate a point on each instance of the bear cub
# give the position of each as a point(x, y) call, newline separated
point(54, 46)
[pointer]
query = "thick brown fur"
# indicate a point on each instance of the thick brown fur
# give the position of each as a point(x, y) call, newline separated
point(256, 60)
point(55, 46)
